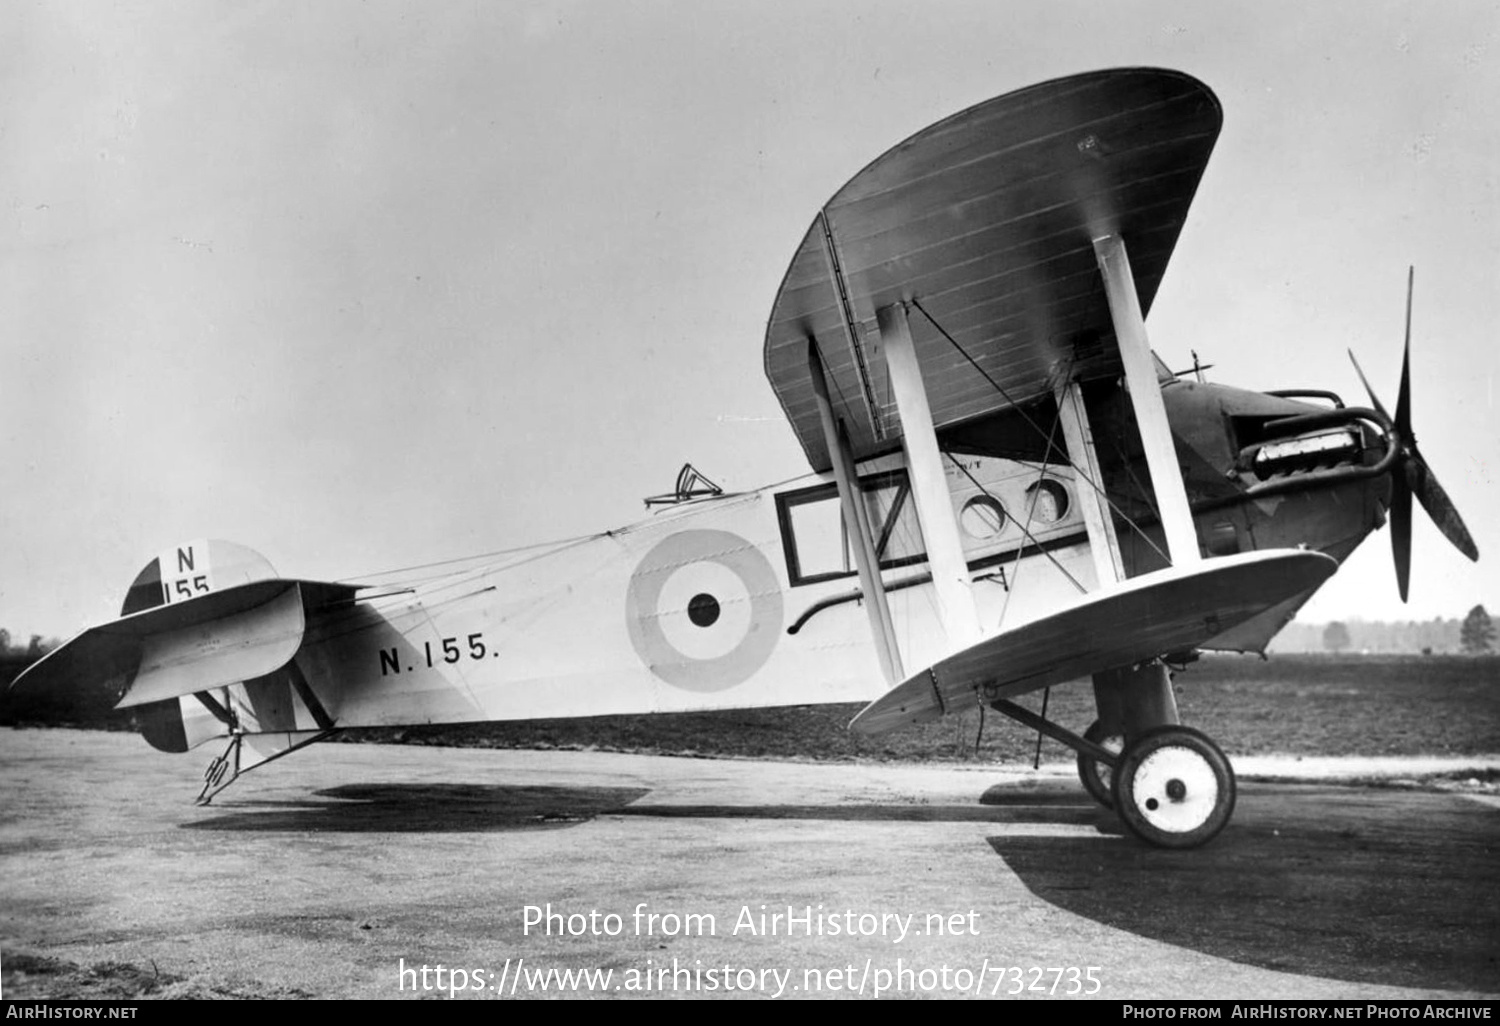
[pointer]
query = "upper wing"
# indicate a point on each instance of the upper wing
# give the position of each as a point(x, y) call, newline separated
point(987, 219)
point(1165, 611)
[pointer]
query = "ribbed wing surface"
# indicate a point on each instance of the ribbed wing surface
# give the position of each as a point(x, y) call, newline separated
point(987, 220)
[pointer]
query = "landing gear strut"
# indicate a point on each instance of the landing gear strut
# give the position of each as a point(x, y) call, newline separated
point(1170, 785)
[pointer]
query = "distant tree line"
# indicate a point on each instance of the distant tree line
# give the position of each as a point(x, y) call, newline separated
point(1472, 635)
point(30, 652)
point(83, 705)
point(1477, 635)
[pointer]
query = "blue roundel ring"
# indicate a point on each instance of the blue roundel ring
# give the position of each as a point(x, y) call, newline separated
point(748, 640)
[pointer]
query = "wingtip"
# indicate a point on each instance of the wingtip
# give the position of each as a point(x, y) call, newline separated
point(31, 673)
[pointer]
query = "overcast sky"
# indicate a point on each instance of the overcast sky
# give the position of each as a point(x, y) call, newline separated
point(368, 285)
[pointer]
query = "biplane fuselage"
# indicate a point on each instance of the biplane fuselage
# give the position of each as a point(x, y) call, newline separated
point(751, 599)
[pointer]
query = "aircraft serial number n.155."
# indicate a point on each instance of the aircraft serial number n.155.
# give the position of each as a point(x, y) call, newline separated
point(449, 651)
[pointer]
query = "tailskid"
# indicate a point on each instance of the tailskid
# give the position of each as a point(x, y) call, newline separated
point(234, 761)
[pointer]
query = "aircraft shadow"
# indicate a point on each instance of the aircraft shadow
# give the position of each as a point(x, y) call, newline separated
point(413, 808)
point(1016, 803)
point(891, 813)
point(1380, 887)
point(416, 808)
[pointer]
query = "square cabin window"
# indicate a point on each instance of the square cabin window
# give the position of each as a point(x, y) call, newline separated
point(817, 543)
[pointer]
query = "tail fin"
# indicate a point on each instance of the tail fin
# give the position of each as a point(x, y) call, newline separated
point(194, 569)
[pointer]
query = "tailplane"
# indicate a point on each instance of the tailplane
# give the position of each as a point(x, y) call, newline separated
point(205, 648)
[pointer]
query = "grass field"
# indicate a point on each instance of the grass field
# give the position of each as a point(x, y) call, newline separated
point(1294, 705)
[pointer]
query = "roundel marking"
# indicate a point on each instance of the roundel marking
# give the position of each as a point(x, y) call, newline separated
point(704, 610)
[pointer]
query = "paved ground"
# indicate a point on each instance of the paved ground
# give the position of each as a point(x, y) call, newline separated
point(320, 874)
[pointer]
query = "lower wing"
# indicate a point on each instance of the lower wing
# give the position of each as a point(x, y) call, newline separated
point(1169, 610)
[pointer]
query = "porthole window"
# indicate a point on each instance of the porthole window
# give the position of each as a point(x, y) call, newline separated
point(982, 517)
point(1048, 501)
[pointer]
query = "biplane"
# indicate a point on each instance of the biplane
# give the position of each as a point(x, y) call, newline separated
point(1007, 491)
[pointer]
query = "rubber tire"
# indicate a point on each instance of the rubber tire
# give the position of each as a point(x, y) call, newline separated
point(1158, 752)
point(1096, 777)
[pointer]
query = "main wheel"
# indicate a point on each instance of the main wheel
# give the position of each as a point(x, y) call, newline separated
point(1174, 788)
point(1095, 775)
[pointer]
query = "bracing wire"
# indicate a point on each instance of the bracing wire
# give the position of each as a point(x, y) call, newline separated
point(1036, 760)
point(1097, 486)
point(1024, 530)
point(493, 561)
point(539, 549)
point(1036, 495)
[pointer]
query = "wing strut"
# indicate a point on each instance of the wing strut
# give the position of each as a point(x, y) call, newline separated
point(857, 521)
point(1145, 399)
point(945, 551)
point(1104, 546)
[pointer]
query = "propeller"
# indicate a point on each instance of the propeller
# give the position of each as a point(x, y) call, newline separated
point(1413, 476)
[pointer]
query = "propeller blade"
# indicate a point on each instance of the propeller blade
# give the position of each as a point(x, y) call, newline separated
point(1403, 396)
point(1421, 480)
point(1401, 531)
point(1414, 476)
point(1374, 399)
point(1400, 508)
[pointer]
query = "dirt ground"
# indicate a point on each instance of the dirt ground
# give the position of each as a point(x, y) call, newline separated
point(330, 872)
